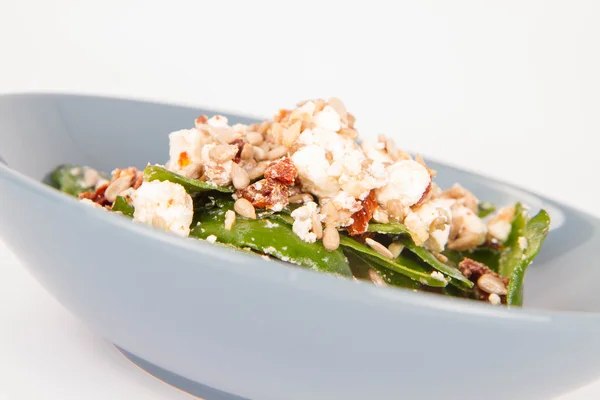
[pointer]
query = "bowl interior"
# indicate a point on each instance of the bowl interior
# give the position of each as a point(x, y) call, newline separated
point(39, 132)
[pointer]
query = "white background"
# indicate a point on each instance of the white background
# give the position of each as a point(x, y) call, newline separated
point(508, 88)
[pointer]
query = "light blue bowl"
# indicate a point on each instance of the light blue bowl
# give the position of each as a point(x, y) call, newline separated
point(203, 317)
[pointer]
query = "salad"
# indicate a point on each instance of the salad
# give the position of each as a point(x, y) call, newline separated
point(301, 188)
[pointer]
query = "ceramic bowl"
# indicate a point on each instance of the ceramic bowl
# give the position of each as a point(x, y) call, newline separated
point(219, 322)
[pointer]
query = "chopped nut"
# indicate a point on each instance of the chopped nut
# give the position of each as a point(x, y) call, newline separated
point(239, 177)
point(307, 124)
point(300, 198)
point(381, 216)
point(319, 105)
point(331, 238)
point(349, 133)
point(223, 152)
point(229, 219)
point(267, 193)
point(258, 170)
point(138, 180)
point(378, 247)
point(363, 216)
point(466, 241)
point(396, 210)
point(441, 257)
point(254, 138)
point(330, 214)
point(116, 187)
point(317, 228)
point(376, 278)
point(491, 284)
point(462, 197)
point(396, 248)
point(264, 127)
point(473, 271)
point(201, 120)
point(247, 152)
point(259, 153)
point(244, 208)
point(339, 107)
point(224, 134)
point(275, 135)
point(291, 134)
point(281, 115)
point(351, 120)
point(283, 171)
point(277, 152)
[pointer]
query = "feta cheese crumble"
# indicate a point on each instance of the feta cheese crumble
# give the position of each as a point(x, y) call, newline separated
point(407, 181)
point(211, 238)
point(303, 221)
point(164, 205)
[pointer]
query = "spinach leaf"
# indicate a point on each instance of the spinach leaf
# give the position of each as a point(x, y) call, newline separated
point(485, 208)
point(536, 230)
point(511, 256)
point(272, 238)
point(156, 172)
point(69, 179)
point(396, 265)
point(429, 258)
point(123, 206)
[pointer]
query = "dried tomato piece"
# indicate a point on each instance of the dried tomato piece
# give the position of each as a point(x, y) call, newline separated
point(184, 159)
point(138, 180)
point(240, 145)
point(283, 171)
point(473, 270)
point(267, 193)
point(363, 216)
point(97, 196)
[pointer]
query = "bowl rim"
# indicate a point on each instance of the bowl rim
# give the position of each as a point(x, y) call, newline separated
point(304, 278)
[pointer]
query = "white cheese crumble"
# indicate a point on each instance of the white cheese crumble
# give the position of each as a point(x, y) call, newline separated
point(499, 229)
point(436, 210)
point(269, 224)
point(185, 152)
point(270, 250)
point(439, 276)
point(470, 221)
point(407, 182)
point(217, 173)
point(211, 238)
point(218, 121)
point(90, 177)
point(328, 119)
point(307, 108)
point(302, 226)
point(329, 162)
point(494, 299)
point(165, 205)
point(312, 165)
point(372, 151)
point(522, 242)
point(91, 203)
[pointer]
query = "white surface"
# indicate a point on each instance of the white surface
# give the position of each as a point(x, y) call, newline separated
point(507, 88)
